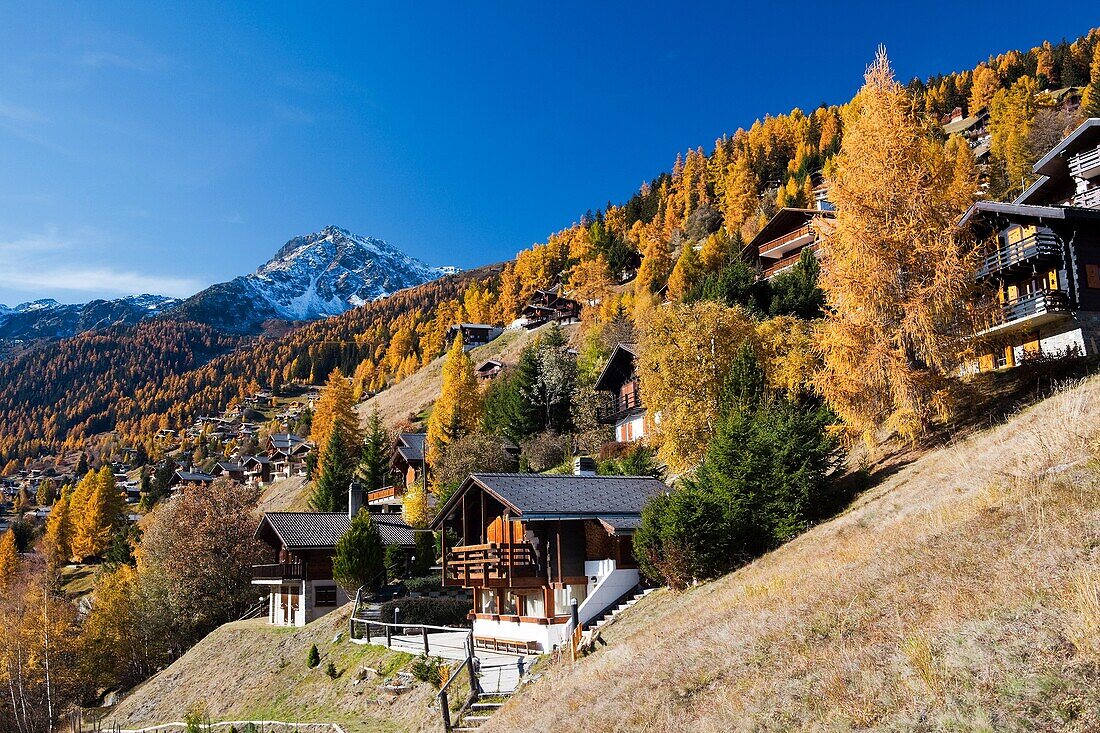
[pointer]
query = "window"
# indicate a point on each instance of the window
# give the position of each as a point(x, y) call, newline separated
point(1092, 274)
point(487, 600)
point(325, 595)
point(534, 604)
point(509, 604)
point(563, 598)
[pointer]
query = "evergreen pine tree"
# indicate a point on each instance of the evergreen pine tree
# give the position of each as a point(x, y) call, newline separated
point(795, 292)
point(374, 468)
point(330, 492)
point(359, 560)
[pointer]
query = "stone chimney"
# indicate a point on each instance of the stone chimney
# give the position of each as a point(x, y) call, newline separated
point(355, 499)
point(584, 466)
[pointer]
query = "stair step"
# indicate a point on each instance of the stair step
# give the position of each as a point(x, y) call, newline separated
point(471, 718)
point(486, 705)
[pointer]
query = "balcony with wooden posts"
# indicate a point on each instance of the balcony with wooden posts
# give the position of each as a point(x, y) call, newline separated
point(794, 240)
point(495, 564)
point(1030, 311)
point(386, 493)
point(787, 262)
point(279, 572)
point(1012, 256)
point(1089, 199)
point(1085, 164)
point(624, 405)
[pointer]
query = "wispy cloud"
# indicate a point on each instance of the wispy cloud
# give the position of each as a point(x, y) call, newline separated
point(27, 264)
point(131, 62)
point(16, 113)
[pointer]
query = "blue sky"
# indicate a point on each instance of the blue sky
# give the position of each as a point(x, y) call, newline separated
point(161, 149)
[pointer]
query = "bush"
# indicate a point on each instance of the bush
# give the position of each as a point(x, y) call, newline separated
point(360, 555)
point(430, 669)
point(314, 657)
point(424, 583)
point(330, 670)
point(428, 611)
point(473, 453)
point(544, 451)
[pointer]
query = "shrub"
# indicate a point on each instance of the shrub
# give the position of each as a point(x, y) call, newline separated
point(360, 555)
point(314, 657)
point(428, 611)
point(473, 453)
point(429, 669)
point(543, 451)
point(330, 670)
point(424, 583)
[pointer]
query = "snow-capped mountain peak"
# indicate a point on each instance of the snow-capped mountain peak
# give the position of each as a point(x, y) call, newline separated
point(312, 276)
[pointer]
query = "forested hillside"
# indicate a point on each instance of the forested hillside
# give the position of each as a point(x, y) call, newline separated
point(716, 200)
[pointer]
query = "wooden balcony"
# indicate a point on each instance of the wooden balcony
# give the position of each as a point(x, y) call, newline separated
point(781, 245)
point(1007, 257)
point(1089, 199)
point(624, 405)
point(492, 564)
point(1085, 164)
point(1030, 311)
point(784, 264)
point(278, 572)
point(385, 493)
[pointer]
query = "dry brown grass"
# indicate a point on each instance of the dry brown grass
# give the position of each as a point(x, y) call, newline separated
point(960, 594)
point(410, 397)
point(250, 670)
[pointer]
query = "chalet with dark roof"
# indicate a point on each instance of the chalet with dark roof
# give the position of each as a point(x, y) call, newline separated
point(193, 478)
point(550, 305)
point(534, 547)
point(298, 574)
point(778, 246)
point(231, 469)
point(408, 458)
point(488, 369)
point(1041, 258)
point(473, 334)
point(619, 378)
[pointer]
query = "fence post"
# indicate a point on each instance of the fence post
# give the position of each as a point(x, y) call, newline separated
point(367, 624)
point(387, 634)
point(445, 710)
point(424, 633)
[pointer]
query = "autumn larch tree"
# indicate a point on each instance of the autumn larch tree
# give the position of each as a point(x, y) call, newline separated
point(99, 513)
point(897, 270)
point(336, 407)
point(457, 412)
point(1090, 98)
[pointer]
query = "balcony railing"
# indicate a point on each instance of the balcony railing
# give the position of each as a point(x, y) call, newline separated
point(1085, 164)
point(1035, 246)
point(279, 571)
point(787, 262)
point(1088, 199)
point(624, 405)
point(483, 564)
point(386, 492)
point(780, 242)
point(1039, 303)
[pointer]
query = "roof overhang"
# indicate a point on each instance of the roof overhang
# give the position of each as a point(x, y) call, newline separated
point(470, 483)
point(619, 352)
point(1087, 133)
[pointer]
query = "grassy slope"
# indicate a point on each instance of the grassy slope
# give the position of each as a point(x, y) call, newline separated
point(961, 593)
point(409, 398)
point(250, 670)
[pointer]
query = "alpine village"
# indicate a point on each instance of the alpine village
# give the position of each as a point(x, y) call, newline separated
point(805, 435)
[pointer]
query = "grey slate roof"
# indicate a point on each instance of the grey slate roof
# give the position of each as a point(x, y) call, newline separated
point(324, 529)
point(412, 448)
point(564, 496)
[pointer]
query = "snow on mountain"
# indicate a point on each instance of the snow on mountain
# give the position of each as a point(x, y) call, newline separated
point(48, 319)
point(312, 276)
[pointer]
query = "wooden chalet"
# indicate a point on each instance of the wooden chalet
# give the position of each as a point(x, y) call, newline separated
point(533, 547)
point(287, 453)
point(620, 378)
point(257, 470)
point(194, 478)
point(408, 458)
point(301, 546)
point(488, 369)
point(473, 334)
point(550, 305)
point(231, 469)
point(778, 246)
point(1041, 261)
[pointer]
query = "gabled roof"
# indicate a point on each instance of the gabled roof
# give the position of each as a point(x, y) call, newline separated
point(194, 476)
point(1087, 135)
point(533, 496)
point(487, 365)
point(229, 466)
point(1027, 212)
point(618, 366)
point(410, 446)
point(318, 530)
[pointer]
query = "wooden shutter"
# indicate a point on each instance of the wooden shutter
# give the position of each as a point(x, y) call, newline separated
point(985, 363)
point(1052, 279)
point(1092, 274)
point(1013, 292)
point(1010, 356)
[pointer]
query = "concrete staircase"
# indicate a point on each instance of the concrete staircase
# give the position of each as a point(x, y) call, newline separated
point(609, 615)
point(480, 711)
